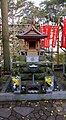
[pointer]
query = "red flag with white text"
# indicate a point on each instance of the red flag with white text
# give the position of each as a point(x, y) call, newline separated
point(55, 35)
point(47, 30)
point(63, 39)
point(64, 28)
point(41, 31)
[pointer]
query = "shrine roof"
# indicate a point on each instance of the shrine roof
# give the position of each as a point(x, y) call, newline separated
point(32, 33)
point(31, 36)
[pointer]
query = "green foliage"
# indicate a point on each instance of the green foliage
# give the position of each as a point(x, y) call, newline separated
point(19, 58)
point(42, 58)
point(61, 58)
point(37, 26)
point(3, 81)
point(45, 9)
point(63, 82)
point(39, 76)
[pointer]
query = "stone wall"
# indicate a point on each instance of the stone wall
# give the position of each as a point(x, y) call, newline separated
point(33, 110)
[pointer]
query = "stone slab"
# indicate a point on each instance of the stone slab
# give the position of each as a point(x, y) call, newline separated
point(5, 112)
point(23, 110)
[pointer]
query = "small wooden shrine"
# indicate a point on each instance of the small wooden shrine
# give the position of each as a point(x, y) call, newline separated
point(34, 76)
point(32, 40)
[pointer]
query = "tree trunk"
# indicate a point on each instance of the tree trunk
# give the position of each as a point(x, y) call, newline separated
point(5, 35)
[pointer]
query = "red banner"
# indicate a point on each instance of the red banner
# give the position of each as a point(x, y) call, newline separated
point(55, 35)
point(64, 28)
point(63, 40)
point(46, 41)
point(47, 30)
point(42, 31)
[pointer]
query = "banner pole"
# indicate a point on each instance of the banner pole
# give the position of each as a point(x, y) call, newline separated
point(58, 44)
point(58, 51)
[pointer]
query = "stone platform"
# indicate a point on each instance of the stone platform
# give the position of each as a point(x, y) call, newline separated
point(48, 96)
point(51, 106)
